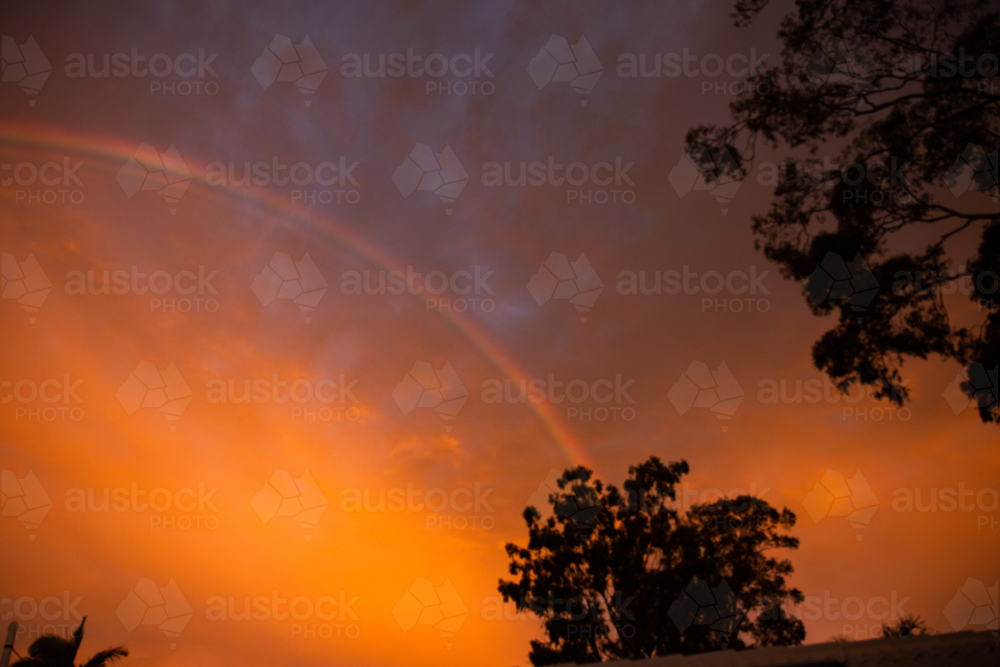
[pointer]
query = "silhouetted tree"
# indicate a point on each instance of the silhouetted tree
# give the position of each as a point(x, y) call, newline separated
point(908, 626)
point(56, 651)
point(907, 91)
point(628, 574)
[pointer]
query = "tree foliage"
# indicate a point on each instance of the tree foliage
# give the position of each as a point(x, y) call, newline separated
point(612, 572)
point(907, 93)
point(56, 651)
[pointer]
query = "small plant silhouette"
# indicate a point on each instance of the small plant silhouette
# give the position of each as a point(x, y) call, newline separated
point(56, 651)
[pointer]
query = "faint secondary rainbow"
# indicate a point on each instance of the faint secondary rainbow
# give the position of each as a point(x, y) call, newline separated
point(117, 152)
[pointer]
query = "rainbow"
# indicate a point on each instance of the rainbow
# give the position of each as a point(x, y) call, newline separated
point(115, 151)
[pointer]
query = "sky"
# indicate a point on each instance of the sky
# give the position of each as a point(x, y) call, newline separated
point(245, 368)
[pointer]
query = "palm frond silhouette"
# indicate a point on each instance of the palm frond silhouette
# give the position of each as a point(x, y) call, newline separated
point(56, 651)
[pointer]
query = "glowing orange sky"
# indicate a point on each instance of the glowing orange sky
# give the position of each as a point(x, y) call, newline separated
point(366, 344)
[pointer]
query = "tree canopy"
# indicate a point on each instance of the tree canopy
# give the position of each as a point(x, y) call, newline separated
point(901, 99)
point(629, 574)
